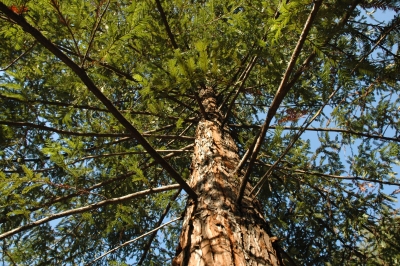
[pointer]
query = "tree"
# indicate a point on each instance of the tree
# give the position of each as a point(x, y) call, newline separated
point(269, 128)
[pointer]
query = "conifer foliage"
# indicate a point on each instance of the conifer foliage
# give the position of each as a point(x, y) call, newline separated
point(105, 155)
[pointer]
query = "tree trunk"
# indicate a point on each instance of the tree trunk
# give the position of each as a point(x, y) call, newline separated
point(215, 230)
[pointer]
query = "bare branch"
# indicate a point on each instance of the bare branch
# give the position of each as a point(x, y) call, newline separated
point(88, 208)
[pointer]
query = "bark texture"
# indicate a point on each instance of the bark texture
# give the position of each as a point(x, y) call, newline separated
point(215, 230)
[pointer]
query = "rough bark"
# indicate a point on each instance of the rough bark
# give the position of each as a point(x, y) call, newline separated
point(215, 230)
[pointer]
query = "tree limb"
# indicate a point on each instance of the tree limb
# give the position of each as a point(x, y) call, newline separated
point(280, 94)
point(153, 235)
point(81, 73)
point(105, 65)
point(167, 28)
point(88, 208)
point(341, 130)
point(54, 103)
point(95, 27)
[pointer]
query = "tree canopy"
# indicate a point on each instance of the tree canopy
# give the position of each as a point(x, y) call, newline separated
point(100, 102)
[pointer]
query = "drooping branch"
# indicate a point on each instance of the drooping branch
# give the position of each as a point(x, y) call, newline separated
point(81, 73)
point(89, 208)
point(279, 96)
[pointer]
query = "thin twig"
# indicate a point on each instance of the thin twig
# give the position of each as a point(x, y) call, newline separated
point(91, 134)
point(54, 103)
point(65, 21)
point(166, 25)
point(134, 240)
point(89, 208)
point(96, 26)
point(63, 132)
point(280, 94)
point(151, 238)
point(19, 57)
point(341, 130)
point(242, 81)
point(336, 176)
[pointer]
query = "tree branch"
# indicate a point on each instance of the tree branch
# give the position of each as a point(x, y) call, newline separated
point(307, 124)
point(89, 208)
point(280, 94)
point(19, 57)
point(319, 129)
point(95, 27)
point(80, 72)
point(91, 134)
point(134, 240)
point(153, 235)
point(63, 132)
point(65, 21)
point(54, 103)
point(241, 81)
point(105, 65)
point(167, 28)
point(334, 176)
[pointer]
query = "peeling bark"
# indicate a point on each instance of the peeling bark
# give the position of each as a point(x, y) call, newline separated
point(215, 230)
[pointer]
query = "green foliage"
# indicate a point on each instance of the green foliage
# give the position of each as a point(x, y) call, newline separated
point(331, 199)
